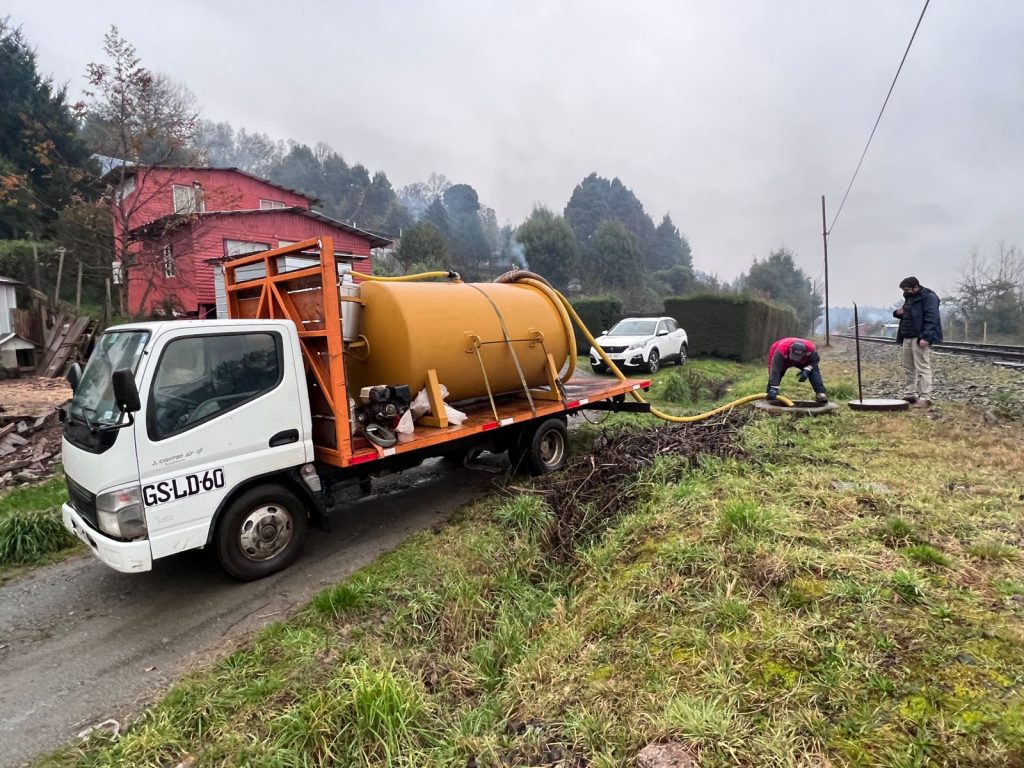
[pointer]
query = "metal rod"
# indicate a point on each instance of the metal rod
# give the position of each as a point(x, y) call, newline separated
point(856, 336)
point(824, 239)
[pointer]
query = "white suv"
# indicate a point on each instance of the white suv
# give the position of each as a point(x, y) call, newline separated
point(641, 342)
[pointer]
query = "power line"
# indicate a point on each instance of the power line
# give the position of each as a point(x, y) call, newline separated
point(879, 119)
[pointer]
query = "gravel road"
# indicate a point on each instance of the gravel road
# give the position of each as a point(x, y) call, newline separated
point(80, 643)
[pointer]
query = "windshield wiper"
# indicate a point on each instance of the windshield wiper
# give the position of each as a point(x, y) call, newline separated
point(83, 415)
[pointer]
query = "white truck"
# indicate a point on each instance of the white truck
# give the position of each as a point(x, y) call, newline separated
point(237, 434)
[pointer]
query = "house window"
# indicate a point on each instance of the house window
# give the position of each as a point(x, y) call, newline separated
point(239, 247)
point(266, 205)
point(167, 252)
point(184, 199)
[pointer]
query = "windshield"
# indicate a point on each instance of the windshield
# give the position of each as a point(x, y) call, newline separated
point(94, 398)
point(633, 328)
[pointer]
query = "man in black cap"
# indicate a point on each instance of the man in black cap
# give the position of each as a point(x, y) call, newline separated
point(920, 328)
point(792, 352)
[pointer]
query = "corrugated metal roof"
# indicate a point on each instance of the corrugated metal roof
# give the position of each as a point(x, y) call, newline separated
point(173, 221)
point(131, 168)
point(10, 280)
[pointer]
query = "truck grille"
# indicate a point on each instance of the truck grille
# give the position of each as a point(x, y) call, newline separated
point(83, 502)
point(613, 350)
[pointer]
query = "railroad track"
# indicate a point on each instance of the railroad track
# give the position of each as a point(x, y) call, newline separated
point(1010, 353)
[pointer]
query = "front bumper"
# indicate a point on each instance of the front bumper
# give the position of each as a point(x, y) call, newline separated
point(633, 358)
point(124, 556)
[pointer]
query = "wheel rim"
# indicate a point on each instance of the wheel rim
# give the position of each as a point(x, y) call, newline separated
point(552, 448)
point(265, 532)
point(682, 354)
point(652, 363)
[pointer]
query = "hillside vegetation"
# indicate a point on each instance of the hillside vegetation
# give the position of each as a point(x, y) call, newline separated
point(829, 592)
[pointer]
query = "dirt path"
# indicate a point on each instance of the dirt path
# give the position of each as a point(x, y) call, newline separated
point(80, 643)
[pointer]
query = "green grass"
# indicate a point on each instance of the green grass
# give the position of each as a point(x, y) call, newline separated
point(31, 531)
point(758, 611)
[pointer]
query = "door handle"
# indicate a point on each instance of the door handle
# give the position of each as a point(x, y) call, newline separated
point(285, 437)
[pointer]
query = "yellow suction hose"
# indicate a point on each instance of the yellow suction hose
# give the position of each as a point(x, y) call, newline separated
point(570, 316)
point(622, 377)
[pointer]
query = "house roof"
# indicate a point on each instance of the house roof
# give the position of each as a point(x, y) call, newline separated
point(114, 167)
point(12, 337)
point(10, 280)
point(173, 221)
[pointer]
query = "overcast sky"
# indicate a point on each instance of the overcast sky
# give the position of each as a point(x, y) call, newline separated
point(735, 117)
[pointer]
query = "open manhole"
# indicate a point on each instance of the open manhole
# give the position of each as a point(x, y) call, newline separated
point(802, 407)
point(878, 404)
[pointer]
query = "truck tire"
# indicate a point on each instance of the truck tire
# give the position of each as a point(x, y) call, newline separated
point(543, 449)
point(262, 532)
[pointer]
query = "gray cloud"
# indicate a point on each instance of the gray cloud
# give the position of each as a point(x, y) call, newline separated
point(733, 116)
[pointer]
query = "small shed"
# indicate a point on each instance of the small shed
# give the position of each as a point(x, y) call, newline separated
point(17, 354)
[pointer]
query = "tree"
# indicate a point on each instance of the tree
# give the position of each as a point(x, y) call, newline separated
point(44, 166)
point(597, 199)
point(142, 122)
point(549, 246)
point(422, 244)
point(612, 259)
point(778, 278)
point(671, 248)
point(990, 293)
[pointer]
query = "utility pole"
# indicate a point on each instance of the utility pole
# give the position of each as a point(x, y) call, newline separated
point(78, 291)
point(60, 270)
point(824, 239)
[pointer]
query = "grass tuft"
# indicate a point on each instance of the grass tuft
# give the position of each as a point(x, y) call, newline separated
point(30, 536)
point(926, 554)
point(749, 518)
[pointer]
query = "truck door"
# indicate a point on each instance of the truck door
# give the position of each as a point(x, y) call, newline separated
point(219, 408)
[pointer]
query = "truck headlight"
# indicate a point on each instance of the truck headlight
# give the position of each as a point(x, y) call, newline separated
point(121, 513)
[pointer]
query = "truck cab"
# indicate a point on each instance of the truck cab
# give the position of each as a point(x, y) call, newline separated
point(222, 409)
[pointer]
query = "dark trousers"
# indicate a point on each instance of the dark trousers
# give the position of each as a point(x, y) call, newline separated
point(776, 373)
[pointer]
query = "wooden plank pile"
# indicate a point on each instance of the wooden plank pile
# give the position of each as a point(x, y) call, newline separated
point(29, 448)
point(67, 341)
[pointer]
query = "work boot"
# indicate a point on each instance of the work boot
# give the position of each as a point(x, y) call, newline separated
point(821, 397)
point(910, 398)
point(924, 403)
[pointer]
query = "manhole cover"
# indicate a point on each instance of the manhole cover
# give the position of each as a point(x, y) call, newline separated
point(879, 404)
point(804, 407)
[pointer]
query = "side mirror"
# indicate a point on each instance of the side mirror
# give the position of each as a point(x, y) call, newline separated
point(74, 376)
point(125, 392)
point(663, 332)
point(604, 332)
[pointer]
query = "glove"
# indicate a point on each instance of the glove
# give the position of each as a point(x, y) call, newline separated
point(773, 393)
point(804, 373)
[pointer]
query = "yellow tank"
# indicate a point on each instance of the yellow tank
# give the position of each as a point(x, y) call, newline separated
point(413, 327)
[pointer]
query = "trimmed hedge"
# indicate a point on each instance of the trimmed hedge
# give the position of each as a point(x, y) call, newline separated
point(598, 313)
point(731, 326)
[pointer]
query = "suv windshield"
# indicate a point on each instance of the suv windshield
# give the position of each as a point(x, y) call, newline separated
point(633, 328)
point(94, 398)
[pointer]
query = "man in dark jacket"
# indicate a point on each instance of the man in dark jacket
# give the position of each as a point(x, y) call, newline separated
point(792, 352)
point(920, 328)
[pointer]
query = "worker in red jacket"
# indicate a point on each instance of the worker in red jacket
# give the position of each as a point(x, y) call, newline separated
point(792, 352)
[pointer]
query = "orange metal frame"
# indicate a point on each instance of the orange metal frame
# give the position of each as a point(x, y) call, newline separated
point(309, 297)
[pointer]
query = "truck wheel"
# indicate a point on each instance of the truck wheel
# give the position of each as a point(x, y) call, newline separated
point(542, 450)
point(261, 533)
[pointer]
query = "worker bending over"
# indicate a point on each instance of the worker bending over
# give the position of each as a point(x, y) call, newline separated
point(792, 352)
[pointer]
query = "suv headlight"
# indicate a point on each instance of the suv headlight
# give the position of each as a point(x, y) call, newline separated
point(121, 513)
point(637, 345)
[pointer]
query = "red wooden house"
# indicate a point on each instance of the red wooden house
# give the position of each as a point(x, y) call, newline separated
point(181, 221)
